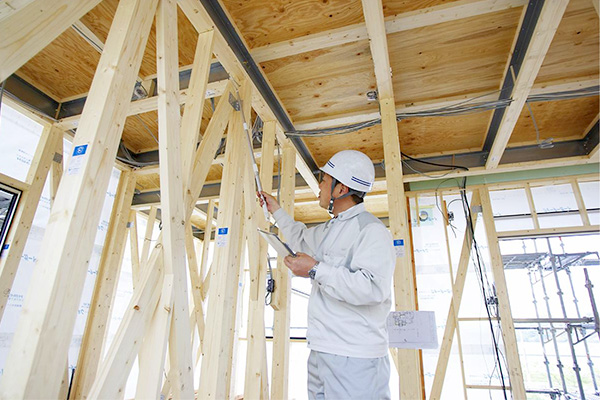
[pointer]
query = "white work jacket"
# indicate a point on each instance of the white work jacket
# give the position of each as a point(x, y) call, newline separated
point(350, 297)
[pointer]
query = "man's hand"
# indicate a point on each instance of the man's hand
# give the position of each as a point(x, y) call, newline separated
point(300, 265)
point(272, 204)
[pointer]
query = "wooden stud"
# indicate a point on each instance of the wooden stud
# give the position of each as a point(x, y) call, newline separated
point(172, 206)
point(580, 203)
point(23, 219)
point(133, 242)
point(192, 115)
point(531, 203)
point(549, 231)
point(506, 321)
point(105, 289)
point(457, 293)
point(148, 235)
point(256, 352)
point(404, 288)
point(56, 170)
point(283, 287)
point(451, 275)
point(114, 371)
point(43, 333)
point(216, 364)
point(549, 19)
point(196, 284)
point(206, 243)
point(31, 28)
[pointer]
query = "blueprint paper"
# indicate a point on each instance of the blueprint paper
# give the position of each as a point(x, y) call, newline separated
point(412, 330)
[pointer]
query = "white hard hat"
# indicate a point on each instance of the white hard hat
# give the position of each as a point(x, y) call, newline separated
point(352, 168)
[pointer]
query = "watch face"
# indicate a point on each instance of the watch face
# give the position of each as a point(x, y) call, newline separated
point(312, 273)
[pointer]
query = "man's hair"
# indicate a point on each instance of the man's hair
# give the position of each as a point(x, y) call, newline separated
point(357, 199)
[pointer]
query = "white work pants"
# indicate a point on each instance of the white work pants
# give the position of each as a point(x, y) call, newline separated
point(334, 377)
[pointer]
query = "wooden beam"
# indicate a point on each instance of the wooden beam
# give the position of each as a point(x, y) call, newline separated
point(31, 28)
point(397, 23)
point(196, 284)
point(549, 231)
point(485, 96)
point(23, 219)
point(506, 321)
point(256, 350)
point(105, 289)
point(213, 89)
point(192, 115)
point(455, 302)
point(580, 203)
point(35, 362)
point(56, 170)
point(547, 24)
point(283, 288)
point(409, 361)
point(216, 364)
point(207, 240)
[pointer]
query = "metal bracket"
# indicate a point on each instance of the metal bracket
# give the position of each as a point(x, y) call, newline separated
point(234, 102)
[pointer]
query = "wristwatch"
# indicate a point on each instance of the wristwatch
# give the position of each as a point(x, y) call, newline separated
point(313, 271)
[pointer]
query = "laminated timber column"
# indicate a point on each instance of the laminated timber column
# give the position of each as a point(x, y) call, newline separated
point(509, 338)
point(283, 289)
point(409, 361)
point(35, 362)
point(215, 376)
point(257, 251)
point(105, 289)
point(17, 236)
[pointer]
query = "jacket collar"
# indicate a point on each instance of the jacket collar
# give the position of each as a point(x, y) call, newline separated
point(351, 212)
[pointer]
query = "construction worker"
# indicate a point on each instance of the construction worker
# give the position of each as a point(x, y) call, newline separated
point(350, 260)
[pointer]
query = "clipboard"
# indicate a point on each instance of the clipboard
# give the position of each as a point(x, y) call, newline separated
point(280, 246)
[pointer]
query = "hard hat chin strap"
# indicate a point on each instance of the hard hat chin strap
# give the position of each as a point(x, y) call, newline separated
point(332, 199)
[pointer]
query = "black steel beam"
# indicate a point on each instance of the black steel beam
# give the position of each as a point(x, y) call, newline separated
point(30, 95)
point(219, 17)
point(530, 20)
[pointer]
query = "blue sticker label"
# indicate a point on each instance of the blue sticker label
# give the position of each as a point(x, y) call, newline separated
point(5, 247)
point(399, 242)
point(80, 150)
point(223, 231)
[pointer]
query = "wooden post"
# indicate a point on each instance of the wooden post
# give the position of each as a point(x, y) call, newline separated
point(21, 225)
point(206, 243)
point(256, 352)
point(457, 292)
point(532, 210)
point(585, 219)
point(105, 289)
point(216, 363)
point(506, 321)
point(404, 288)
point(35, 362)
point(283, 289)
point(196, 284)
point(173, 218)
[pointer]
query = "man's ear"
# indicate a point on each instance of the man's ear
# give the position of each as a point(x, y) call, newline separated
point(344, 189)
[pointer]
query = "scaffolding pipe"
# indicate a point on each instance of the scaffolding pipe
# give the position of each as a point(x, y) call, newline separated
point(552, 330)
point(540, 332)
point(590, 363)
point(589, 286)
point(569, 328)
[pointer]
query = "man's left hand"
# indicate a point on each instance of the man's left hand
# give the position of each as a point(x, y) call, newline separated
point(300, 265)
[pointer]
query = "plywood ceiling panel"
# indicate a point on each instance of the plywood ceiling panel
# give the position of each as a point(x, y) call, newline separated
point(263, 22)
point(574, 50)
point(99, 21)
point(418, 137)
point(561, 120)
point(453, 58)
point(64, 68)
point(140, 133)
point(325, 82)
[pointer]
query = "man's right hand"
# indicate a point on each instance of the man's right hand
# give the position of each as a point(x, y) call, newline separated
point(272, 204)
